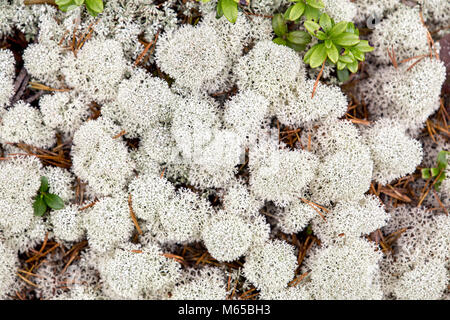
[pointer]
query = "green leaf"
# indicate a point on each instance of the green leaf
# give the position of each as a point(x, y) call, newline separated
point(296, 11)
point(219, 11)
point(279, 25)
point(426, 174)
point(94, 5)
point(230, 10)
point(346, 59)
point(299, 37)
point(321, 35)
point(288, 12)
point(341, 65)
point(434, 172)
point(78, 2)
point(53, 201)
point(353, 67)
point(333, 53)
point(312, 13)
point(315, 4)
point(357, 54)
point(364, 46)
point(343, 75)
point(325, 22)
point(328, 43)
point(309, 53)
point(280, 41)
point(63, 2)
point(351, 28)
point(295, 46)
point(44, 184)
point(319, 56)
point(346, 39)
point(312, 27)
point(439, 182)
point(70, 6)
point(337, 29)
point(39, 206)
point(442, 159)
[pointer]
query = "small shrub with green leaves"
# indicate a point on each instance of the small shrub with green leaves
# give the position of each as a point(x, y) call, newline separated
point(338, 43)
point(438, 172)
point(94, 7)
point(44, 199)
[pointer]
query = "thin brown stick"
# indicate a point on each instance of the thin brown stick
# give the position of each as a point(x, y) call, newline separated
point(133, 217)
point(318, 78)
point(312, 204)
point(26, 280)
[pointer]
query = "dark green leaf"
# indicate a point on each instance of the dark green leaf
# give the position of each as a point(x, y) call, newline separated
point(325, 22)
point(280, 41)
point(318, 57)
point(299, 37)
point(219, 11)
point(39, 206)
point(343, 75)
point(426, 174)
point(333, 53)
point(53, 201)
point(230, 10)
point(296, 11)
point(346, 39)
point(337, 29)
point(44, 184)
point(279, 25)
point(295, 46)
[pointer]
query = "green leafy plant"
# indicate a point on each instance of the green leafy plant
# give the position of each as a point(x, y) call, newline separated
point(44, 199)
point(94, 7)
point(439, 172)
point(338, 43)
point(309, 8)
point(296, 40)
